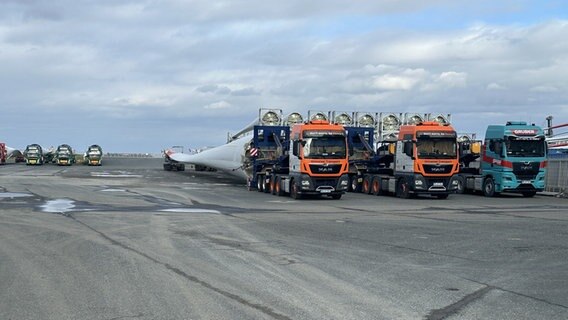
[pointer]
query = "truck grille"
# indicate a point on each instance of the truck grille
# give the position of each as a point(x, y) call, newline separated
point(526, 170)
point(322, 169)
point(437, 169)
point(324, 182)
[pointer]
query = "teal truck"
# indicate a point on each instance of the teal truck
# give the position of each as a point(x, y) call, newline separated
point(512, 158)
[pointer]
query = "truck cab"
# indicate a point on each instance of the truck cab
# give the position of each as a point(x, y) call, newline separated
point(34, 155)
point(514, 159)
point(426, 159)
point(318, 159)
point(64, 155)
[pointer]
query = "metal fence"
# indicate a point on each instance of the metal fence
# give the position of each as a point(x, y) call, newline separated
point(557, 175)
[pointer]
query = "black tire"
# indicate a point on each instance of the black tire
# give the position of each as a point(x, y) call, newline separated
point(273, 185)
point(366, 188)
point(278, 187)
point(167, 167)
point(403, 189)
point(336, 196)
point(260, 183)
point(461, 185)
point(265, 184)
point(376, 186)
point(294, 191)
point(442, 196)
point(529, 194)
point(489, 187)
point(355, 185)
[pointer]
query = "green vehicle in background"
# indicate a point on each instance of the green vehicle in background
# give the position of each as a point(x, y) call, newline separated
point(64, 155)
point(94, 155)
point(34, 154)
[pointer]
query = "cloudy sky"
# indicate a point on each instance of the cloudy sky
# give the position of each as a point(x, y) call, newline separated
point(142, 75)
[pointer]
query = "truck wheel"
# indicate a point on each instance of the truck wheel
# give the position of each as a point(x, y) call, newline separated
point(273, 185)
point(489, 187)
point(461, 185)
point(529, 194)
point(366, 188)
point(294, 190)
point(167, 167)
point(265, 184)
point(403, 190)
point(278, 186)
point(336, 196)
point(259, 183)
point(376, 186)
point(355, 185)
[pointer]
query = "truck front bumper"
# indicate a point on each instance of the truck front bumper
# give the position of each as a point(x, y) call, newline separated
point(325, 186)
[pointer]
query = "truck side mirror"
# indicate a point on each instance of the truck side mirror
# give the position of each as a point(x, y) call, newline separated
point(408, 149)
point(296, 145)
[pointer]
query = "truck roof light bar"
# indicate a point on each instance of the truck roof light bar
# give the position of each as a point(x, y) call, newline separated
point(317, 115)
point(342, 118)
point(294, 118)
point(270, 117)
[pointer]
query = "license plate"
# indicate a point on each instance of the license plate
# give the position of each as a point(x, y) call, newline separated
point(526, 182)
point(438, 184)
point(325, 191)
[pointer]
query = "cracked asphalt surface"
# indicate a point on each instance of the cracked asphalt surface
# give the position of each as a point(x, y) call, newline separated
point(128, 240)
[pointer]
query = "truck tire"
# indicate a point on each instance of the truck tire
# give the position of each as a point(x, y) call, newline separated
point(260, 183)
point(278, 186)
point(461, 185)
point(265, 184)
point(489, 187)
point(376, 186)
point(355, 185)
point(529, 194)
point(366, 188)
point(167, 167)
point(403, 189)
point(273, 185)
point(294, 191)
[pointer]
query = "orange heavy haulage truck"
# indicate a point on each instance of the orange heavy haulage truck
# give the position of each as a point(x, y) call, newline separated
point(421, 157)
point(299, 159)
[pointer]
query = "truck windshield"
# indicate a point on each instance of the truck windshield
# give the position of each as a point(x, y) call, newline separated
point(325, 147)
point(525, 147)
point(436, 148)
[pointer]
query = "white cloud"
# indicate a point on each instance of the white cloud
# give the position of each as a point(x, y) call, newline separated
point(171, 59)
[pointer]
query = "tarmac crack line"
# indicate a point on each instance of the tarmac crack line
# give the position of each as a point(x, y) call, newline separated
point(519, 294)
point(264, 309)
point(454, 308)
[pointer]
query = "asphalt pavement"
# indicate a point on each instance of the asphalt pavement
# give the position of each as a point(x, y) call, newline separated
point(127, 240)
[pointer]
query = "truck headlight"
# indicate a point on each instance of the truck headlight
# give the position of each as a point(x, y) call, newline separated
point(419, 182)
point(305, 182)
